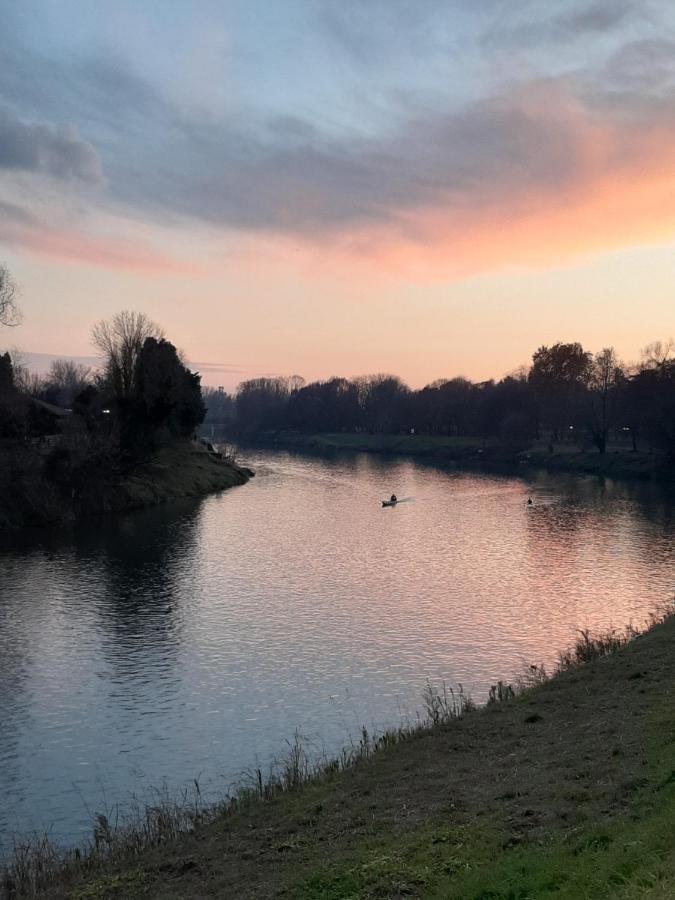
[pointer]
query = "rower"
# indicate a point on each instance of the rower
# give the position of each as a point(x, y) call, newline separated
point(393, 498)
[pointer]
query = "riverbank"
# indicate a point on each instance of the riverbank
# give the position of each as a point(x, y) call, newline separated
point(565, 791)
point(30, 497)
point(489, 454)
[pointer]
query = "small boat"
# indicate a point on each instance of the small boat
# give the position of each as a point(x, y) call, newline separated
point(390, 502)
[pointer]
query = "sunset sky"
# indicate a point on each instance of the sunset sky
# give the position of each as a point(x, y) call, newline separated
point(341, 186)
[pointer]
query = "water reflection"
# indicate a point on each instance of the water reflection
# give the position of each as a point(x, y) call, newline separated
point(192, 640)
point(89, 640)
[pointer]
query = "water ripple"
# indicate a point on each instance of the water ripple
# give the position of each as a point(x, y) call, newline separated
point(192, 640)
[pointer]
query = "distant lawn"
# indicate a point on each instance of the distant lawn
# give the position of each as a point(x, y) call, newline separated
point(619, 461)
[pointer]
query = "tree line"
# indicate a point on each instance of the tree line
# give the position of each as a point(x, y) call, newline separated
point(142, 397)
point(145, 395)
point(567, 393)
point(69, 440)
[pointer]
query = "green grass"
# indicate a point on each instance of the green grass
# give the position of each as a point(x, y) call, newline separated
point(420, 445)
point(562, 787)
point(632, 856)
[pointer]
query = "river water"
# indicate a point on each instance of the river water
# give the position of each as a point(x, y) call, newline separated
point(192, 640)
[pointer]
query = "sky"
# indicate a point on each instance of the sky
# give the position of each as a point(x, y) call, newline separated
point(423, 187)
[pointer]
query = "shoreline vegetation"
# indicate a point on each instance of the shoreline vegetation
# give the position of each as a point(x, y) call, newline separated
point(567, 403)
point(179, 470)
point(474, 453)
point(81, 442)
point(560, 786)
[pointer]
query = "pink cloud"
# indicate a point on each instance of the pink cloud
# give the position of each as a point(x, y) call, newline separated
point(105, 252)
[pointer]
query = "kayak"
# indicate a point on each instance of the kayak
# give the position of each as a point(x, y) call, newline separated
point(389, 502)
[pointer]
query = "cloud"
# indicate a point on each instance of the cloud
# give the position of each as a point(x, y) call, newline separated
point(645, 67)
point(522, 29)
point(533, 176)
point(55, 150)
point(461, 177)
point(599, 16)
point(26, 232)
point(16, 215)
point(541, 139)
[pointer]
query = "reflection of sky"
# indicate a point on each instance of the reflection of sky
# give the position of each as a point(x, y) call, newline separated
point(192, 642)
point(405, 174)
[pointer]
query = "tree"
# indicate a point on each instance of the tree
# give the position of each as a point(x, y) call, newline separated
point(6, 375)
point(121, 340)
point(384, 401)
point(12, 404)
point(658, 354)
point(558, 376)
point(9, 311)
point(653, 395)
point(167, 395)
point(262, 403)
point(331, 405)
point(220, 406)
point(65, 380)
point(605, 379)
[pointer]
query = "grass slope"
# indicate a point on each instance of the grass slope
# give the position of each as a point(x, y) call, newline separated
point(178, 471)
point(28, 497)
point(567, 791)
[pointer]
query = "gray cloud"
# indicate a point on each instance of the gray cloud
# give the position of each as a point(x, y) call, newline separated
point(597, 17)
point(645, 66)
point(492, 152)
point(518, 29)
point(56, 150)
point(11, 214)
point(281, 172)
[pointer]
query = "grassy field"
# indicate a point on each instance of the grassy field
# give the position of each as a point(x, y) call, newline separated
point(565, 791)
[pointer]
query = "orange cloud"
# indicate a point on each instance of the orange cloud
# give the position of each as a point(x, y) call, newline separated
point(110, 253)
point(594, 183)
point(614, 213)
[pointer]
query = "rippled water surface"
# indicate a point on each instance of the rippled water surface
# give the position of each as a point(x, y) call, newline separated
point(192, 640)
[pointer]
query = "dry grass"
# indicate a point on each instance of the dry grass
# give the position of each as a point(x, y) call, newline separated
point(36, 862)
point(546, 753)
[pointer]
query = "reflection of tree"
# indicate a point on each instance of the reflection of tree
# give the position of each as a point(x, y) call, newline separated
point(26, 627)
point(89, 620)
point(143, 559)
point(595, 517)
point(14, 665)
point(556, 530)
point(657, 504)
point(124, 574)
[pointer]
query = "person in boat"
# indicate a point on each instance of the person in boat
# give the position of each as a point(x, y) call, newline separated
point(393, 498)
point(529, 501)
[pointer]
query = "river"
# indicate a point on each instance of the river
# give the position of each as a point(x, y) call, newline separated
point(189, 641)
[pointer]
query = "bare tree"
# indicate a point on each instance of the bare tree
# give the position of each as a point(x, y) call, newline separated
point(605, 378)
point(120, 340)
point(9, 311)
point(658, 354)
point(65, 380)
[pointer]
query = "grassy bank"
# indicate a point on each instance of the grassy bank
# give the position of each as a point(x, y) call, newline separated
point(173, 473)
point(618, 462)
point(34, 494)
point(565, 790)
